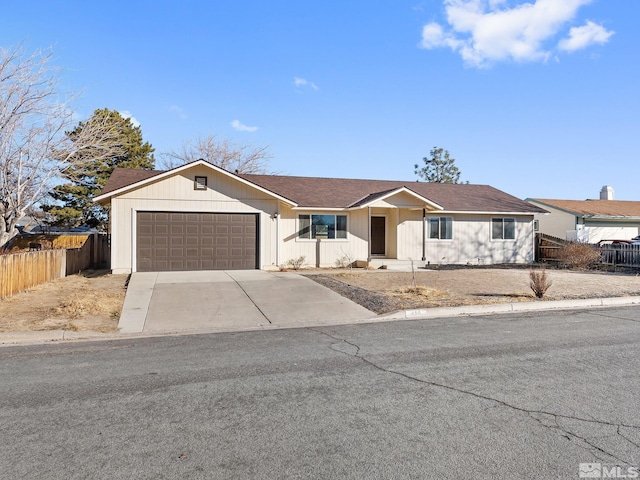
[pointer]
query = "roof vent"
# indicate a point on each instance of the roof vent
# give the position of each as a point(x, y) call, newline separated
point(606, 193)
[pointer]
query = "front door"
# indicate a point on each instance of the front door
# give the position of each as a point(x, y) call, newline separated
point(378, 236)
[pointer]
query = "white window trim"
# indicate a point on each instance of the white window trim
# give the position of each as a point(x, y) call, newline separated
point(515, 229)
point(428, 239)
point(315, 240)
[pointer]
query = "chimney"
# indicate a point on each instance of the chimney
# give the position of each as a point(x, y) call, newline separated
point(606, 193)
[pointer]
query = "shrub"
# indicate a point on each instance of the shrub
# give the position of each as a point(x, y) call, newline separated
point(578, 255)
point(296, 263)
point(539, 282)
point(344, 261)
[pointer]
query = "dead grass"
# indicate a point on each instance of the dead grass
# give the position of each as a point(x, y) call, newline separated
point(419, 291)
point(470, 286)
point(88, 302)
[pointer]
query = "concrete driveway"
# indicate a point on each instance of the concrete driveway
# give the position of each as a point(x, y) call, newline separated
point(231, 300)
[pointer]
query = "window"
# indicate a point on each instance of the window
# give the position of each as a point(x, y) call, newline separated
point(440, 228)
point(503, 229)
point(322, 227)
point(200, 183)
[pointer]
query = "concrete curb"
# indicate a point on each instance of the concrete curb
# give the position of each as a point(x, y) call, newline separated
point(48, 336)
point(495, 308)
point(45, 336)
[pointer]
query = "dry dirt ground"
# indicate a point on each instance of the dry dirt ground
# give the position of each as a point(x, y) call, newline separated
point(93, 301)
point(90, 301)
point(385, 291)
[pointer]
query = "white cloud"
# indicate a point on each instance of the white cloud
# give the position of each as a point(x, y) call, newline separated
point(129, 115)
point(585, 36)
point(301, 82)
point(176, 109)
point(236, 124)
point(487, 31)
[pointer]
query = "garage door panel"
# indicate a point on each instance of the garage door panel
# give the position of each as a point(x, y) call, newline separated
point(175, 241)
point(221, 264)
point(177, 265)
point(159, 265)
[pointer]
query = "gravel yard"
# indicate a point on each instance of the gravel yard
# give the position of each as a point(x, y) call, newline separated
point(383, 291)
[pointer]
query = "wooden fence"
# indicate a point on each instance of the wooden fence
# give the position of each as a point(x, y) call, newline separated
point(21, 271)
point(616, 255)
point(620, 255)
point(548, 247)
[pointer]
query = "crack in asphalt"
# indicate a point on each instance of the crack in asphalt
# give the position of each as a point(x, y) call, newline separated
point(615, 317)
point(565, 432)
point(627, 438)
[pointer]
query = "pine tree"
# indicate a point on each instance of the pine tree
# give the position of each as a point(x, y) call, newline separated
point(87, 176)
point(439, 167)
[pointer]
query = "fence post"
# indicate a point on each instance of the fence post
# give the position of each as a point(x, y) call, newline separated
point(63, 263)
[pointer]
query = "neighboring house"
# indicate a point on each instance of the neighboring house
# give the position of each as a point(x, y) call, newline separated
point(590, 220)
point(201, 217)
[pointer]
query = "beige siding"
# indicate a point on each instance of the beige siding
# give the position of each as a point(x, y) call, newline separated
point(327, 251)
point(557, 223)
point(472, 243)
point(410, 235)
point(177, 194)
point(220, 188)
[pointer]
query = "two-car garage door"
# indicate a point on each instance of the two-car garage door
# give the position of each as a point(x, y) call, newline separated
point(177, 241)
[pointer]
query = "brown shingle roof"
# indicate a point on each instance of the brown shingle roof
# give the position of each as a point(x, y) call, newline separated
point(122, 177)
point(344, 192)
point(598, 208)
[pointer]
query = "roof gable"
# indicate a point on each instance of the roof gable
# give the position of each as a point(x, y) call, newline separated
point(123, 180)
point(372, 198)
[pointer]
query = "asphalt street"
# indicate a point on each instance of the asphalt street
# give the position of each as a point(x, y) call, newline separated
point(508, 396)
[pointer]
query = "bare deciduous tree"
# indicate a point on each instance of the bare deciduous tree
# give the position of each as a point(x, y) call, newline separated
point(34, 150)
point(222, 153)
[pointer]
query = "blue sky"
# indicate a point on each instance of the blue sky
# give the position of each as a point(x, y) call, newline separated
point(537, 98)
